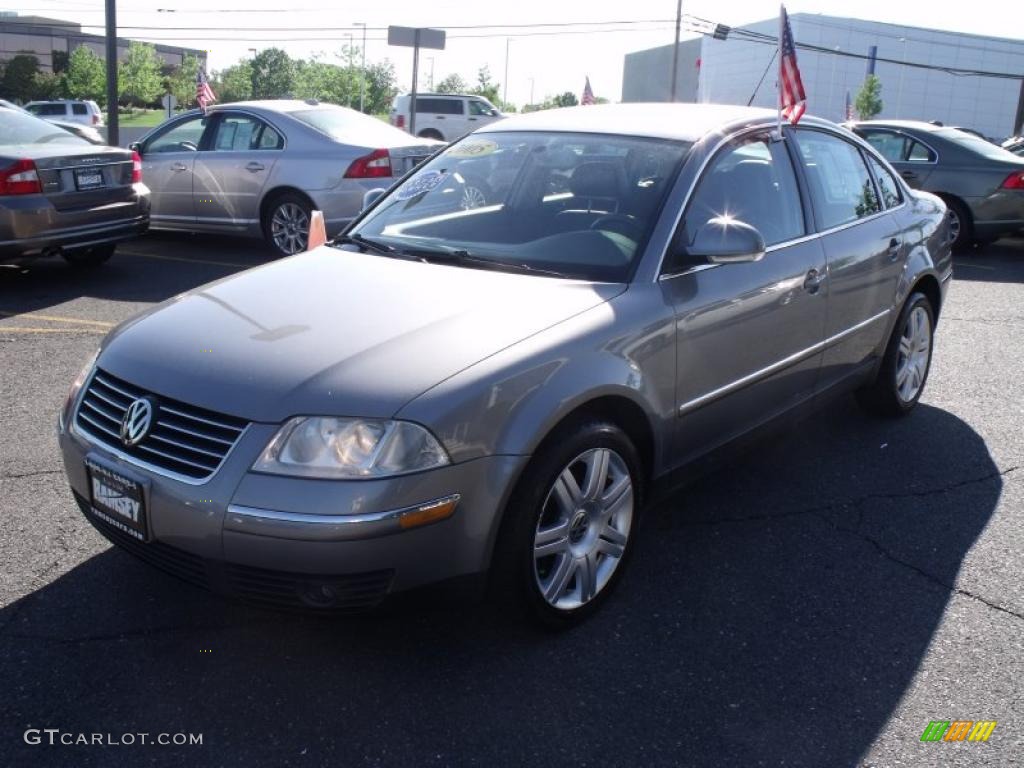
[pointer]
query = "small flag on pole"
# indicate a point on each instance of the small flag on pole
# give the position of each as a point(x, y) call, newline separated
point(849, 106)
point(588, 94)
point(204, 93)
point(792, 99)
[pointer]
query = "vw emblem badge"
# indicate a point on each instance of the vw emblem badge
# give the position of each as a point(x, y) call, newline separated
point(136, 422)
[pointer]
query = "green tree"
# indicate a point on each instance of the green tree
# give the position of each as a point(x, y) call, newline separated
point(869, 99)
point(452, 84)
point(139, 74)
point(326, 82)
point(86, 76)
point(567, 99)
point(182, 81)
point(19, 83)
point(381, 87)
point(273, 74)
point(234, 83)
point(485, 86)
point(47, 85)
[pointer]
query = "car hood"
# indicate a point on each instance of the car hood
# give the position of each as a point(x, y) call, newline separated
point(335, 332)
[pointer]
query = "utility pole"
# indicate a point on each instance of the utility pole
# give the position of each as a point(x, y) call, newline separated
point(504, 92)
point(675, 50)
point(362, 69)
point(113, 137)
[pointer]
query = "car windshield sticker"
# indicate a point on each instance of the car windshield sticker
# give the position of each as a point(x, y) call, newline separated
point(474, 148)
point(420, 185)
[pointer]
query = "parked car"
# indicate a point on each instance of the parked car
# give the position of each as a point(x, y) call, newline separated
point(259, 168)
point(443, 392)
point(61, 195)
point(982, 184)
point(80, 130)
point(444, 116)
point(68, 110)
point(1014, 144)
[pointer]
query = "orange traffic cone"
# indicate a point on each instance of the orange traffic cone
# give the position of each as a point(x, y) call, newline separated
point(317, 231)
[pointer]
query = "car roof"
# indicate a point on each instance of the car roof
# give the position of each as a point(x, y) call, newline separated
point(682, 122)
point(919, 125)
point(277, 105)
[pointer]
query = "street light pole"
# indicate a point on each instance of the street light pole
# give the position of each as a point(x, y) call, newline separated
point(113, 137)
point(362, 69)
point(675, 50)
point(504, 93)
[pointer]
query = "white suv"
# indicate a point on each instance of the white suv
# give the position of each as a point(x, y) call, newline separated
point(67, 110)
point(444, 116)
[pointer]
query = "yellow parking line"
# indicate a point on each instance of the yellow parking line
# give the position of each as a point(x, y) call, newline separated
point(58, 319)
point(234, 264)
point(4, 329)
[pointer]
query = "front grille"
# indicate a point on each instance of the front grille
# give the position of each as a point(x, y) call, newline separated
point(184, 440)
point(291, 590)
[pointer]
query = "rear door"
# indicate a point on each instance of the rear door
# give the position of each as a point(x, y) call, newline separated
point(168, 161)
point(863, 243)
point(913, 159)
point(749, 334)
point(231, 174)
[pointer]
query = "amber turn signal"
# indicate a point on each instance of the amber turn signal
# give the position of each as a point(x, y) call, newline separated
point(429, 513)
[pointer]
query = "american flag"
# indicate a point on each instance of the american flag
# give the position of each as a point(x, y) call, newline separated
point(204, 93)
point(792, 99)
point(588, 94)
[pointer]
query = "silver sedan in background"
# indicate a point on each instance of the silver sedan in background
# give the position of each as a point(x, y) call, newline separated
point(259, 168)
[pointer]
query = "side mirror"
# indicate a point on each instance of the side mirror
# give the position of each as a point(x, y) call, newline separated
point(135, 146)
point(724, 240)
point(371, 197)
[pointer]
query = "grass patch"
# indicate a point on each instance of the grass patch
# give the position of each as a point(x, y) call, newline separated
point(142, 118)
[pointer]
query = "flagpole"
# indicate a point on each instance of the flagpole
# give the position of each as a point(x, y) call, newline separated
point(778, 79)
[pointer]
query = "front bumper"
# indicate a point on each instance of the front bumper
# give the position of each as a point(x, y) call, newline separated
point(295, 541)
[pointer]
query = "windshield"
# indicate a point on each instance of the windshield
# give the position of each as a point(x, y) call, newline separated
point(975, 144)
point(19, 128)
point(579, 205)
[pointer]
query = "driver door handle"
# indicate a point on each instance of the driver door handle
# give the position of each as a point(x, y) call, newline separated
point(179, 167)
point(894, 249)
point(813, 281)
point(254, 166)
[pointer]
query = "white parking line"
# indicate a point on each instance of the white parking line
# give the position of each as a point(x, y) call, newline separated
point(58, 319)
point(233, 264)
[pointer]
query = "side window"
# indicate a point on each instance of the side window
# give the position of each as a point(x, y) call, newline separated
point(891, 146)
point(840, 186)
point(269, 139)
point(888, 187)
point(754, 182)
point(183, 137)
point(236, 133)
point(919, 153)
point(479, 109)
point(452, 107)
point(79, 109)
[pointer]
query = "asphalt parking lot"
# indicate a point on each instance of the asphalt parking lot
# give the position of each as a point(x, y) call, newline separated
point(814, 603)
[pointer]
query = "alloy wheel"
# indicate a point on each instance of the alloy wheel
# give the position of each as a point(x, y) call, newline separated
point(472, 197)
point(583, 529)
point(289, 228)
point(954, 225)
point(914, 353)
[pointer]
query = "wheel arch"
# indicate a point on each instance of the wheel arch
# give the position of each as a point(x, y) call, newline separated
point(272, 194)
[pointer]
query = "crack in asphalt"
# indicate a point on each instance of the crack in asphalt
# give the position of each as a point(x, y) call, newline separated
point(819, 512)
point(34, 473)
point(1012, 322)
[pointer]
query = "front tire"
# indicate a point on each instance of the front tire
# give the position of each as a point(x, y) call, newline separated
point(286, 223)
point(901, 378)
point(570, 525)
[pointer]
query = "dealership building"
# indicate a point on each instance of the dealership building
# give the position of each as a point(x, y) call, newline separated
point(738, 71)
point(40, 37)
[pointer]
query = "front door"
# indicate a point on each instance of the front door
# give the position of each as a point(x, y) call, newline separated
point(748, 334)
point(168, 161)
point(230, 177)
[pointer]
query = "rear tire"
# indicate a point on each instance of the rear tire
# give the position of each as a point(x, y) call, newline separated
point(90, 257)
point(900, 381)
point(286, 223)
point(430, 133)
point(565, 542)
point(961, 224)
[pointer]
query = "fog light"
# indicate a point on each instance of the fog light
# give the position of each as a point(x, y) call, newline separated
point(318, 594)
point(429, 513)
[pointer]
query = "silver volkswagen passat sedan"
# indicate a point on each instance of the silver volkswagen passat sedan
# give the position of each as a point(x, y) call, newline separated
point(258, 168)
point(443, 393)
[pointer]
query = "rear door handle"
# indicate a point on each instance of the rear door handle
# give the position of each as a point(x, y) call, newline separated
point(179, 167)
point(894, 249)
point(254, 166)
point(813, 281)
point(908, 174)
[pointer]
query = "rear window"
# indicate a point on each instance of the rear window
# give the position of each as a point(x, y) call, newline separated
point(350, 127)
point(426, 104)
point(975, 144)
point(19, 128)
point(47, 110)
point(79, 109)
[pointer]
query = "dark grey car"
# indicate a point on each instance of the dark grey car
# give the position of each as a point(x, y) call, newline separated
point(446, 392)
point(59, 194)
point(981, 183)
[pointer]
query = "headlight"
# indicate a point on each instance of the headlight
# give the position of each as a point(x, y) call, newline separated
point(76, 385)
point(328, 447)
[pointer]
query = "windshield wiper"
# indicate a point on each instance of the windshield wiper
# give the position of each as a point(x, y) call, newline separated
point(369, 245)
point(461, 257)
